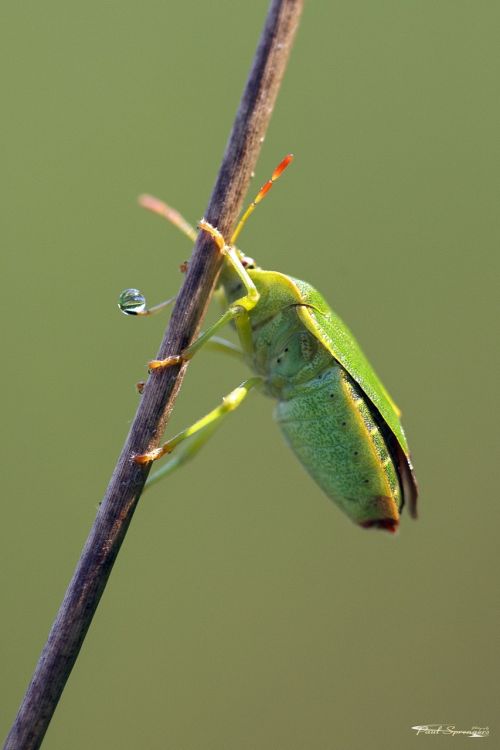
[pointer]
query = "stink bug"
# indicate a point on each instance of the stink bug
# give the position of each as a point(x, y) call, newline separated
point(331, 407)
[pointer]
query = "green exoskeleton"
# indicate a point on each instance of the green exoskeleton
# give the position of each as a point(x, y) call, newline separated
point(331, 407)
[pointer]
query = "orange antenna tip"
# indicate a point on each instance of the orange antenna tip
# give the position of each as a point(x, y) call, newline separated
point(282, 166)
point(262, 192)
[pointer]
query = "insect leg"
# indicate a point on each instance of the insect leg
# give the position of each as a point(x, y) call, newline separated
point(215, 344)
point(133, 302)
point(250, 299)
point(190, 351)
point(200, 431)
point(218, 344)
point(238, 311)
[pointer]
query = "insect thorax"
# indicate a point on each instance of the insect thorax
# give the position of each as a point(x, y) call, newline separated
point(285, 353)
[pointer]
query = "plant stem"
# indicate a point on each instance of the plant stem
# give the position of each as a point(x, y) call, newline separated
point(127, 482)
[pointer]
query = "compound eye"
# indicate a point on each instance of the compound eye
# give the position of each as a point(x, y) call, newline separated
point(248, 262)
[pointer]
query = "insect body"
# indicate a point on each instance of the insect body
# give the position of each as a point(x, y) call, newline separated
point(332, 409)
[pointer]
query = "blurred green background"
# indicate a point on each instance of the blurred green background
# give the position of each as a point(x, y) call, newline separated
point(245, 611)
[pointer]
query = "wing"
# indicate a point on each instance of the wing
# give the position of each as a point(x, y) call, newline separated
point(327, 327)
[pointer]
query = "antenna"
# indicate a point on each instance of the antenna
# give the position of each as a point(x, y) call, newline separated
point(260, 195)
point(156, 206)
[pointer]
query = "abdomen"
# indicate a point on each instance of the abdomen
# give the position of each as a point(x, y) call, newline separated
point(330, 426)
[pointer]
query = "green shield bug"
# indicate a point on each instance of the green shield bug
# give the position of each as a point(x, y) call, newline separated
point(331, 407)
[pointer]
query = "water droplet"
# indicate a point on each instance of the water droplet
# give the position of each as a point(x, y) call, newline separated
point(132, 302)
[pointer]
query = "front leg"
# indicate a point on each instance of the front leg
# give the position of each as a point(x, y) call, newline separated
point(238, 310)
point(231, 314)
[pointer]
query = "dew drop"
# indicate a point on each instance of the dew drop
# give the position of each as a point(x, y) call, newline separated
point(132, 302)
